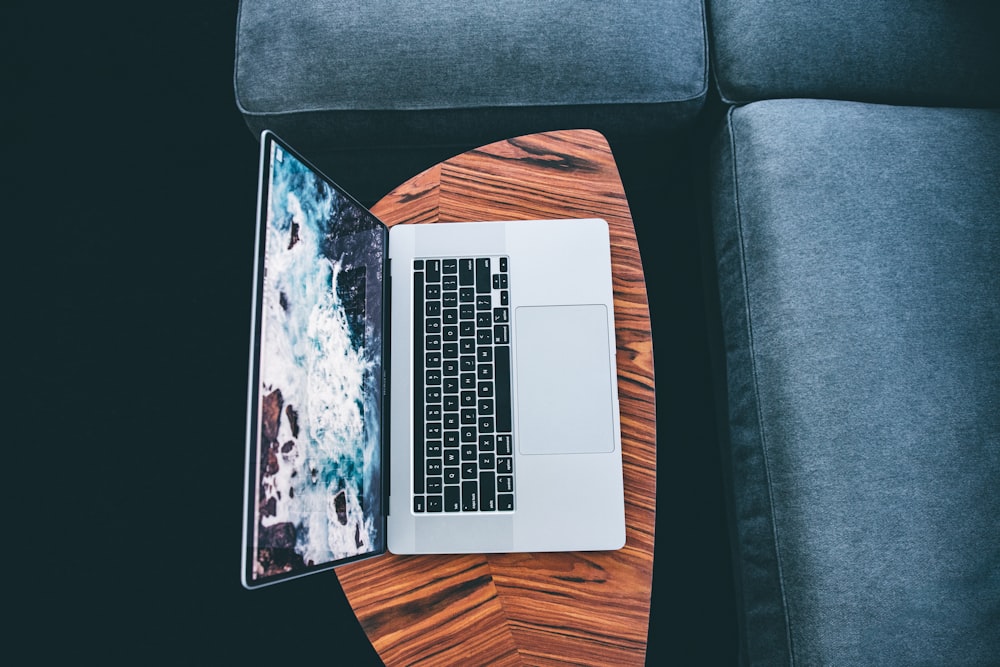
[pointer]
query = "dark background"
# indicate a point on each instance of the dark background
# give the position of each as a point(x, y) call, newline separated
point(129, 191)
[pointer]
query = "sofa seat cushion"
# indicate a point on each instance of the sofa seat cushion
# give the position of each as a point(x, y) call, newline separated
point(858, 260)
point(922, 52)
point(337, 74)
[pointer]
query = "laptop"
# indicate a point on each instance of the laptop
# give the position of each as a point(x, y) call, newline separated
point(430, 388)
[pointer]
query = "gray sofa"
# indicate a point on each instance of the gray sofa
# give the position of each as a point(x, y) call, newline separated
point(842, 163)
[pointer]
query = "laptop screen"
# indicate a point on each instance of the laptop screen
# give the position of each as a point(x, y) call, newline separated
point(314, 478)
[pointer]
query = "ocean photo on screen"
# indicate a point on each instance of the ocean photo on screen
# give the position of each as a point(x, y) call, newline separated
point(318, 470)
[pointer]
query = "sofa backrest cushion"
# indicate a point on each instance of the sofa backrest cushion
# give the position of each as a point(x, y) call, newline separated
point(394, 72)
point(919, 52)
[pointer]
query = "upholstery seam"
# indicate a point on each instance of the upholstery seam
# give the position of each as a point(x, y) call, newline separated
point(756, 389)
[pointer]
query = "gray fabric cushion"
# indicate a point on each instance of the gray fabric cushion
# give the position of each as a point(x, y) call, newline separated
point(924, 52)
point(340, 74)
point(858, 258)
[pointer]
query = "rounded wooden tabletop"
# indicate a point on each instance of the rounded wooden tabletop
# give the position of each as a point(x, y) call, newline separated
point(587, 608)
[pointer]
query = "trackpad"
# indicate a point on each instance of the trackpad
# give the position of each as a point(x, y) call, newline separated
point(564, 391)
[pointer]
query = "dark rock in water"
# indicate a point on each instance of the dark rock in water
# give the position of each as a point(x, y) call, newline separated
point(283, 301)
point(293, 420)
point(340, 505)
point(293, 238)
point(269, 508)
point(358, 542)
point(277, 549)
point(278, 536)
point(287, 447)
point(270, 462)
point(271, 416)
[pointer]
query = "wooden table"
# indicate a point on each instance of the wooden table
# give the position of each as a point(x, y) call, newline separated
point(551, 608)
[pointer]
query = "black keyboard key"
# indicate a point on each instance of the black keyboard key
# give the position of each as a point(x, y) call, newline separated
point(451, 476)
point(470, 496)
point(505, 483)
point(487, 492)
point(505, 502)
point(501, 356)
point(504, 446)
point(503, 264)
point(434, 503)
point(452, 499)
point(483, 275)
point(434, 485)
point(434, 270)
point(449, 266)
point(505, 465)
point(418, 504)
point(466, 272)
point(469, 470)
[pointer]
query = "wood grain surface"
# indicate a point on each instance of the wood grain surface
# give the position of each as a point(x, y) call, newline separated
point(583, 608)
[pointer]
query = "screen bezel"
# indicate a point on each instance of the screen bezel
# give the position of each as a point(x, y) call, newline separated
point(267, 142)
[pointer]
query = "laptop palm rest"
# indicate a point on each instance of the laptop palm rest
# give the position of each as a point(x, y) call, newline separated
point(564, 394)
point(483, 534)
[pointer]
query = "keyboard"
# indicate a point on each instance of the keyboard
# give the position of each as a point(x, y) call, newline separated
point(463, 449)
